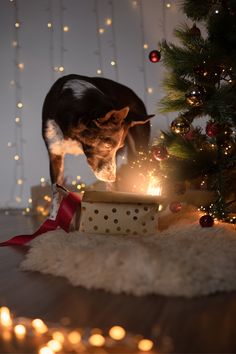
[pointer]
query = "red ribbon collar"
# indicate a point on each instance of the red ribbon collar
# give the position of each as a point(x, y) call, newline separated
point(66, 211)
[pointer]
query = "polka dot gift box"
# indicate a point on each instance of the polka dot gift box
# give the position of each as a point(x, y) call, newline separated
point(119, 213)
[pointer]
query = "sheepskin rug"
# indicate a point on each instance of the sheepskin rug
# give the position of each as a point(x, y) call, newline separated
point(180, 260)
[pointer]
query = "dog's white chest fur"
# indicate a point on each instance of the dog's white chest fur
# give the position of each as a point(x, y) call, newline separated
point(56, 142)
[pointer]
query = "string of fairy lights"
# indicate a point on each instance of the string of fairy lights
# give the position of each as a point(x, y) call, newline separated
point(18, 144)
point(24, 334)
point(57, 29)
point(99, 30)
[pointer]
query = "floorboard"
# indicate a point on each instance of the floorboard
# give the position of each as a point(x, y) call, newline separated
point(200, 325)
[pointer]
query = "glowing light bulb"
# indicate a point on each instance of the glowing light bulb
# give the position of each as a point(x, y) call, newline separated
point(66, 29)
point(30, 200)
point(99, 71)
point(49, 25)
point(117, 332)
point(16, 157)
point(113, 63)
point(168, 5)
point(5, 317)
point(46, 350)
point(54, 345)
point(108, 21)
point(101, 30)
point(39, 326)
point(61, 68)
point(150, 90)
point(17, 119)
point(145, 345)
point(145, 46)
point(20, 181)
point(20, 331)
point(17, 24)
point(74, 337)
point(19, 104)
point(42, 179)
point(58, 336)
point(97, 340)
point(21, 66)
point(14, 44)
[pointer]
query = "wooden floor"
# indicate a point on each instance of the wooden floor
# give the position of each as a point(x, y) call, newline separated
point(200, 325)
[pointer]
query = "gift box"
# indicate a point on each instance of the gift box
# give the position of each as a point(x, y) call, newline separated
point(119, 213)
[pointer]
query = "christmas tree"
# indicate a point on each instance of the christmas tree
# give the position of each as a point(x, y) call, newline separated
point(201, 83)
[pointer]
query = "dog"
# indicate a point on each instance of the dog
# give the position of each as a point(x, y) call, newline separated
point(92, 116)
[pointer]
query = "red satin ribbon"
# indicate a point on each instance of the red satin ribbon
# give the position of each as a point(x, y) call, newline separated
point(66, 211)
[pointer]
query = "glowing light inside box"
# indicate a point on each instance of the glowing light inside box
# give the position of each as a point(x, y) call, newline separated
point(154, 187)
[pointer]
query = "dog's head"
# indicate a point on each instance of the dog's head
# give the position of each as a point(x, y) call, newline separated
point(103, 137)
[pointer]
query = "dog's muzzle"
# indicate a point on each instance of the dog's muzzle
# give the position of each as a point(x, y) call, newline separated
point(106, 174)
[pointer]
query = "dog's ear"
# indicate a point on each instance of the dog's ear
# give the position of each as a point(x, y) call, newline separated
point(117, 116)
point(138, 119)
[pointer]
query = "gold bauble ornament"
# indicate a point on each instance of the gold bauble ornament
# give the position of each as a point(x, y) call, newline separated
point(180, 126)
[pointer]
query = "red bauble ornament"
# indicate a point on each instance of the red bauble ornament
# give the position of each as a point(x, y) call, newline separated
point(212, 129)
point(155, 56)
point(175, 207)
point(159, 152)
point(206, 221)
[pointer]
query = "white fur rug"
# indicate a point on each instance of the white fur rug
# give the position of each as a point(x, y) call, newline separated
point(183, 260)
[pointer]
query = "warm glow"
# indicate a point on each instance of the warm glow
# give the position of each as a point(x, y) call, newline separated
point(18, 199)
point(42, 179)
point(20, 181)
point(16, 157)
point(20, 331)
point(117, 332)
point(49, 25)
point(19, 104)
point(74, 337)
point(168, 5)
point(21, 66)
point(17, 119)
point(154, 187)
point(108, 21)
point(66, 29)
point(17, 24)
point(145, 46)
point(5, 317)
point(39, 326)
point(58, 336)
point(145, 345)
point(30, 200)
point(99, 71)
point(150, 90)
point(54, 345)
point(14, 43)
point(101, 30)
point(46, 350)
point(96, 340)
point(61, 68)
point(113, 63)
